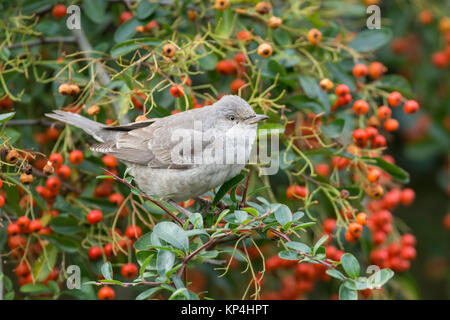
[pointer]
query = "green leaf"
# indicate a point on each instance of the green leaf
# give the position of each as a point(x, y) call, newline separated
point(148, 293)
point(146, 9)
point(63, 243)
point(310, 86)
point(282, 37)
point(369, 40)
point(126, 30)
point(340, 75)
point(6, 116)
point(283, 214)
point(45, 263)
point(107, 270)
point(288, 255)
point(335, 274)
point(224, 20)
point(228, 185)
point(37, 288)
point(65, 225)
point(95, 10)
point(347, 294)
point(396, 172)
point(125, 47)
point(164, 261)
point(334, 128)
point(207, 62)
point(144, 242)
point(380, 278)
point(319, 243)
point(299, 246)
point(172, 234)
point(301, 102)
point(350, 265)
point(394, 82)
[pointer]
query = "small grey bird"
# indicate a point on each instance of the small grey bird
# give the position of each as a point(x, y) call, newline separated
point(167, 158)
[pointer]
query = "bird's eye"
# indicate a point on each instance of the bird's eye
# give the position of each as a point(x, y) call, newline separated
point(232, 117)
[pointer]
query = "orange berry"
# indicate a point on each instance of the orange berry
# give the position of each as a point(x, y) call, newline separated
point(236, 85)
point(129, 271)
point(264, 50)
point(384, 112)
point(169, 50)
point(361, 218)
point(326, 85)
point(110, 161)
point(295, 192)
point(377, 70)
point(314, 36)
point(355, 229)
point(360, 70)
point(275, 22)
point(360, 107)
point(221, 5)
point(395, 99)
point(244, 35)
point(373, 175)
point(263, 7)
point(391, 125)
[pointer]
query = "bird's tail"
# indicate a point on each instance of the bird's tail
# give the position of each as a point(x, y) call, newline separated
point(93, 128)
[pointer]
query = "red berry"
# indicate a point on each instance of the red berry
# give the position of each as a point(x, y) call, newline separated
point(116, 198)
point(129, 271)
point(410, 106)
point(177, 90)
point(63, 172)
point(226, 67)
point(53, 184)
point(13, 229)
point(59, 11)
point(391, 125)
point(95, 253)
point(35, 225)
point(384, 112)
point(106, 293)
point(125, 16)
point(56, 159)
point(94, 216)
point(342, 90)
point(360, 70)
point(408, 240)
point(408, 253)
point(244, 35)
point(407, 196)
point(2, 201)
point(23, 223)
point(236, 85)
point(360, 137)
point(133, 232)
point(378, 141)
point(22, 269)
point(329, 225)
point(296, 192)
point(76, 157)
point(110, 161)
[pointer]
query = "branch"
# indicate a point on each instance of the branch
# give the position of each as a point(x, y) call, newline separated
point(40, 41)
point(180, 222)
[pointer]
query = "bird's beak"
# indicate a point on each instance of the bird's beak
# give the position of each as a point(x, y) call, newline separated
point(256, 119)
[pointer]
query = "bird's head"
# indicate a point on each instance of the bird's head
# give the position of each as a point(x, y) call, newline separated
point(232, 111)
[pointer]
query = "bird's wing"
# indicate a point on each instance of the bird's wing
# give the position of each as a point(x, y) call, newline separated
point(150, 146)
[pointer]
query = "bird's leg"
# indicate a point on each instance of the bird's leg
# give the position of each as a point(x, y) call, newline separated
point(205, 202)
point(179, 208)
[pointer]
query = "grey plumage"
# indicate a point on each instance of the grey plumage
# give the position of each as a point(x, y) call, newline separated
point(148, 147)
